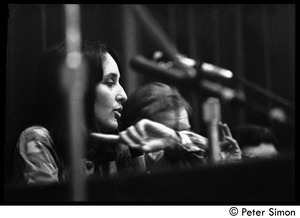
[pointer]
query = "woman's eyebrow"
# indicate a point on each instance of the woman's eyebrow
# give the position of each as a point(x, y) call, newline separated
point(111, 74)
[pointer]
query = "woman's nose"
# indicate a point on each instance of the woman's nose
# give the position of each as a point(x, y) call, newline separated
point(121, 95)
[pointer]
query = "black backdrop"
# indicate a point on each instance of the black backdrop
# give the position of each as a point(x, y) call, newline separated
point(254, 41)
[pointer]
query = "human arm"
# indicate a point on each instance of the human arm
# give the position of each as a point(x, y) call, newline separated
point(161, 143)
point(149, 136)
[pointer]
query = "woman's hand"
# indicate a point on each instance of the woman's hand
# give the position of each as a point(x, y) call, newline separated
point(150, 136)
point(145, 135)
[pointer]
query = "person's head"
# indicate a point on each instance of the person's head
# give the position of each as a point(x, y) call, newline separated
point(157, 102)
point(256, 141)
point(104, 94)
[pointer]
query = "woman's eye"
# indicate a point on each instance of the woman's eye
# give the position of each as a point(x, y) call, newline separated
point(110, 82)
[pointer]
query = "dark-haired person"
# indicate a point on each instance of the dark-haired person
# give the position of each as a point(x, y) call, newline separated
point(256, 141)
point(42, 152)
point(161, 105)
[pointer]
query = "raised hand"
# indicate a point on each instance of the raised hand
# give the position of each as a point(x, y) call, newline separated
point(230, 149)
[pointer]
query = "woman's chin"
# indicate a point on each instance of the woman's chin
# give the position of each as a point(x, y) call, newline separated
point(113, 126)
point(110, 127)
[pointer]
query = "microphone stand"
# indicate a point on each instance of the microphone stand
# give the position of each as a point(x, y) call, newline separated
point(265, 92)
point(189, 75)
point(212, 116)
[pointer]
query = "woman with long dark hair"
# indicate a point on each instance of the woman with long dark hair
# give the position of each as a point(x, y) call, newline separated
point(42, 151)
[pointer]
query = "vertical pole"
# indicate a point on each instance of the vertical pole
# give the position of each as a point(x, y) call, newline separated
point(193, 53)
point(240, 57)
point(266, 42)
point(212, 116)
point(74, 76)
point(44, 27)
point(291, 35)
point(217, 40)
point(172, 25)
point(129, 40)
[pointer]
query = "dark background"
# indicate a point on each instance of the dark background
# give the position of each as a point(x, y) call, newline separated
point(256, 42)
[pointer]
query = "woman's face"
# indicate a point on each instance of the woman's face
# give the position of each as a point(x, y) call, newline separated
point(109, 97)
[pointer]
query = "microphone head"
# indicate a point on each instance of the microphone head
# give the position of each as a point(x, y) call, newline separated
point(150, 67)
point(225, 93)
point(211, 110)
point(216, 71)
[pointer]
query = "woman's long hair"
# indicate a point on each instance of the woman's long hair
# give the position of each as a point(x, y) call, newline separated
point(51, 100)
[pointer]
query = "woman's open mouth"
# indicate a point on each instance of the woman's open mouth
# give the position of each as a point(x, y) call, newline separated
point(117, 114)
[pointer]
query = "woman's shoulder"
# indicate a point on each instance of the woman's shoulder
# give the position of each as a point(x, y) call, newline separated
point(35, 135)
point(38, 130)
point(35, 132)
point(35, 160)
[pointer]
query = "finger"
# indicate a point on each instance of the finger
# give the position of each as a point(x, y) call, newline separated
point(141, 127)
point(225, 144)
point(227, 130)
point(153, 146)
point(134, 134)
point(222, 129)
point(106, 137)
point(232, 141)
point(126, 139)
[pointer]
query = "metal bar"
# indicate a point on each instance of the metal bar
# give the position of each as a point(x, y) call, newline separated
point(212, 116)
point(265, 92)
point(240, 67)
point(44, 26)
point(74, 73)
point(130, 48)
point(217, 32)
point(266, 43)
point(161, 38)
point(193, 53)
point(172, 25)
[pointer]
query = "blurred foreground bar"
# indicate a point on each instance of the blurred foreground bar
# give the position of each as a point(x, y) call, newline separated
point(259, 182)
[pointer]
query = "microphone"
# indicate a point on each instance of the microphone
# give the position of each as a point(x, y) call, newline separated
point(212, 116)
point(205, 68)
point(143, 64)
point(166, 69)
point(225, 93)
